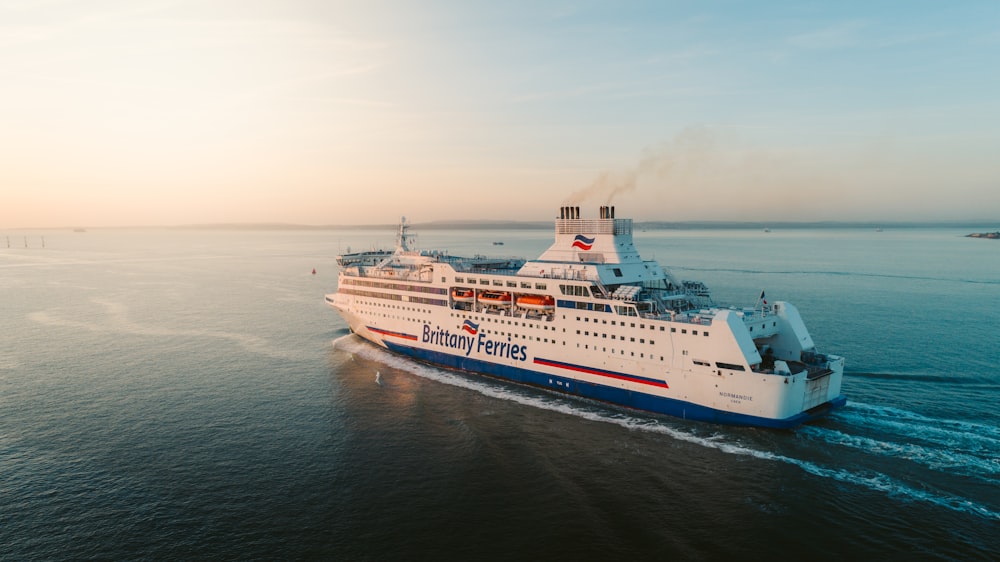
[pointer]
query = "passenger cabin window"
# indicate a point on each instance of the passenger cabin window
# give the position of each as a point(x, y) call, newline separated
point(729, 366)
point(574, 290)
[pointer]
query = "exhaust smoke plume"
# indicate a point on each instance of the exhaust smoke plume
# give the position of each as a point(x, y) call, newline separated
point(606, 186)
point(703, 174)
point(682, 156)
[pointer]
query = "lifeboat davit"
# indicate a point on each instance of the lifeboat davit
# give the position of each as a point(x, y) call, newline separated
point(462, 295)
point(536, 302)
point(492, 297)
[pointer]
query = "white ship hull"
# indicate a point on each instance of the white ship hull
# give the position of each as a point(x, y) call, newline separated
point(702, 363)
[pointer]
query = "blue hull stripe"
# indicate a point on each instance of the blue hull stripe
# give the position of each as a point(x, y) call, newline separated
point(604, 393)
point(599, 372)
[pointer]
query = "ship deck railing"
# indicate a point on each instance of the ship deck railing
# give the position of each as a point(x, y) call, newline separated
point(815, 365)
point(705, 315)
point(504, 310)
point(813, 371)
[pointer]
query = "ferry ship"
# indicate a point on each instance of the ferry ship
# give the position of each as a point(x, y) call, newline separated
point(591, 318)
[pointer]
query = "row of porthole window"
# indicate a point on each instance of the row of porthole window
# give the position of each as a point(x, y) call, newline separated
point(641, 326)
point(621, 352)
point(501, 320)
point(673, 329)
point(395, 286)
point(398, 307)
point(622, 338)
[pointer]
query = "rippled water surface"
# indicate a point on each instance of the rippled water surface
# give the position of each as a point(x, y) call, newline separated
point(187, 394)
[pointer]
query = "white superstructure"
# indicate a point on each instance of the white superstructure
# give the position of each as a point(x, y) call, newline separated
point(590, 317)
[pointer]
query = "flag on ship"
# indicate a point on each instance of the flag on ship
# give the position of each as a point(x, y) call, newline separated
point(762, 297)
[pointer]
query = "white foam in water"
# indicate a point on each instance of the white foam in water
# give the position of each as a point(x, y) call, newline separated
point(946, 460)
point(904, 419)
point(872, 480)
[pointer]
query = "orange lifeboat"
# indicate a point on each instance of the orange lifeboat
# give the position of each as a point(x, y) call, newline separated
point(536, 302)
point(463, 295)
point(494, 298)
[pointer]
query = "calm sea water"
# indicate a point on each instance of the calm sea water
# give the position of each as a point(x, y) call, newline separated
point(187, 394)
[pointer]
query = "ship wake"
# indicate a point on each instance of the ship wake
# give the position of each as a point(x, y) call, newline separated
point(960, 449)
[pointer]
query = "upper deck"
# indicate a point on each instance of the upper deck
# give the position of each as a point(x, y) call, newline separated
point(593, 262)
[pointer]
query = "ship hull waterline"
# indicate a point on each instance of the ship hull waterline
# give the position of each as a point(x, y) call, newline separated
point(623, 397)
point(591, 318)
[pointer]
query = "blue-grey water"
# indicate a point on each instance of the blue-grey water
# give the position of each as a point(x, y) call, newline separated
point(187, 395)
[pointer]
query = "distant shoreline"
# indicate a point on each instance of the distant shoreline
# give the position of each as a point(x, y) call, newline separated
point(638, 226)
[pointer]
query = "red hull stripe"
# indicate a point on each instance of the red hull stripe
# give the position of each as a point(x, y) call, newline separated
point(393, 334)
point(599, 372)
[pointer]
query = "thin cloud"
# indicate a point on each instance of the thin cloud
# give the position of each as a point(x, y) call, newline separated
point(836, 36)
point(854, 34)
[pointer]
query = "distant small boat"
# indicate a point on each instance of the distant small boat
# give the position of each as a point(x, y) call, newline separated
point(498, 243)
point(767, 230)
point(878, 229)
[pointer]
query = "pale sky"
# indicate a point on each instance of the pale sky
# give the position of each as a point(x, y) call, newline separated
point(120, 113)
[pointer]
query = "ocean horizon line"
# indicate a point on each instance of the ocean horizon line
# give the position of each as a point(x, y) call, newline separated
point(486, 224)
